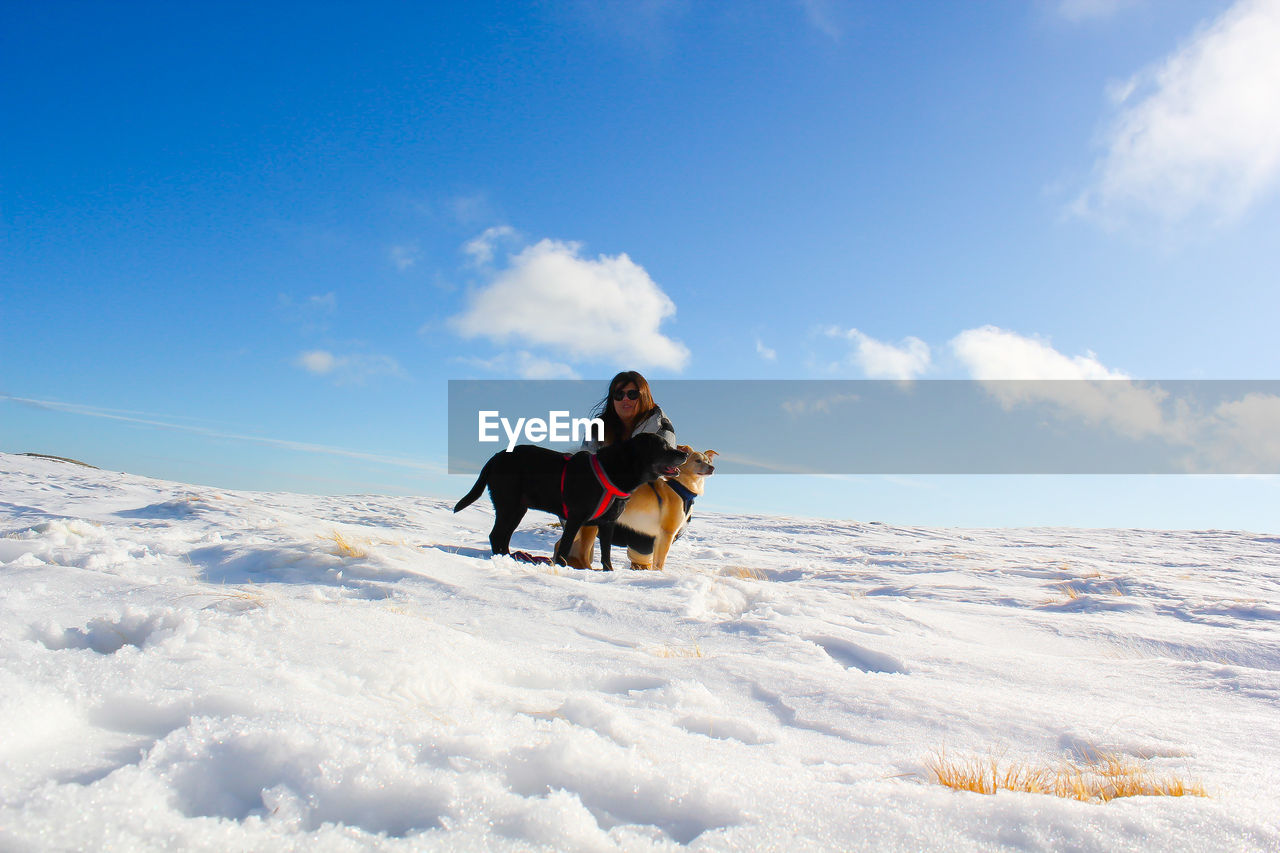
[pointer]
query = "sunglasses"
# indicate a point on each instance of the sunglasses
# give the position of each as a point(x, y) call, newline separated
point(633, 394)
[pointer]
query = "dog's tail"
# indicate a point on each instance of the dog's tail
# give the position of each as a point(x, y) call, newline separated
point(470, 497)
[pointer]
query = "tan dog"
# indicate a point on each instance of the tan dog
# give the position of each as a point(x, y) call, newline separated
point(653, 517)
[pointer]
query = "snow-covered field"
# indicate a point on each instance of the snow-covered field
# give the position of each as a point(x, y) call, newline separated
point(183, 667)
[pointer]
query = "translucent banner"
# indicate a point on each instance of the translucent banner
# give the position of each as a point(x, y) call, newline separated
point(892, 427)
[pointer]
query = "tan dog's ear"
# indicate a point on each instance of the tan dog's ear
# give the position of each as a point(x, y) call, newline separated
point(684, 447)
point(710, 453)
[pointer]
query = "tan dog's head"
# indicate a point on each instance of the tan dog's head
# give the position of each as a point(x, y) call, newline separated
point(697, 467)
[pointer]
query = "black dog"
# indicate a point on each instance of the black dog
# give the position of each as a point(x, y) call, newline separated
point(580, 488)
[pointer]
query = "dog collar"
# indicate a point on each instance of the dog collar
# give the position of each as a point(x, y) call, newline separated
point(685, 495)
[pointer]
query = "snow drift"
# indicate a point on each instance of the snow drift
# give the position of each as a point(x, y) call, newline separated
point(187, 667)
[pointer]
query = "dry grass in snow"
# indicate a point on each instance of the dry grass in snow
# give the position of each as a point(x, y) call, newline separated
point(1100, 778)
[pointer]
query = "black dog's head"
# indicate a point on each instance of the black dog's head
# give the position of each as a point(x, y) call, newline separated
point(656, 457)
point(642, 459)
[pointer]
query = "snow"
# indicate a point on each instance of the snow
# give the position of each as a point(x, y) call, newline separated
point(183, 667)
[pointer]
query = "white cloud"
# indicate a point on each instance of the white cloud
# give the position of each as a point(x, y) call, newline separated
point(602, 309)
point(765, 352)
point(532, 367)
point(354, 369)
point(1200, 132)
point(481, 249)
point(317, 361)
point(1241, 435)
point(880, 360)
point(992, 354)
point(1237, 436)
point(1246, 434)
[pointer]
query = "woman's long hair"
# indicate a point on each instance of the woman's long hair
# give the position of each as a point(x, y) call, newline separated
point(614, 428)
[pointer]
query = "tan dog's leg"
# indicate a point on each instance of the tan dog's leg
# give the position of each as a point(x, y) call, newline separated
point(638, 560)
point(583, 552)
point(661, 545)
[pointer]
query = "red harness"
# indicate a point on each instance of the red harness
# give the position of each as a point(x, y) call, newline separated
point(610, 490)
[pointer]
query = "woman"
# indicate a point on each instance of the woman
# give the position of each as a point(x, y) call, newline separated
point(628, 409)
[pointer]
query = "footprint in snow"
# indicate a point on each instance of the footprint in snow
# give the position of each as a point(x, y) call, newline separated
point(854, 656)
point(107, 636)
point(723, 729)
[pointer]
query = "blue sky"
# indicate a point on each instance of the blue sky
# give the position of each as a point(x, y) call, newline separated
point(248, 244)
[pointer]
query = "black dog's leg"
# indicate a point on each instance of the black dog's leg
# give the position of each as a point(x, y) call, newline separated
point(508, 519)
point(565, 546)
point(606, 539)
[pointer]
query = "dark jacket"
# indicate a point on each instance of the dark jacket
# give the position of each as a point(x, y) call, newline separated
point(656, 422)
